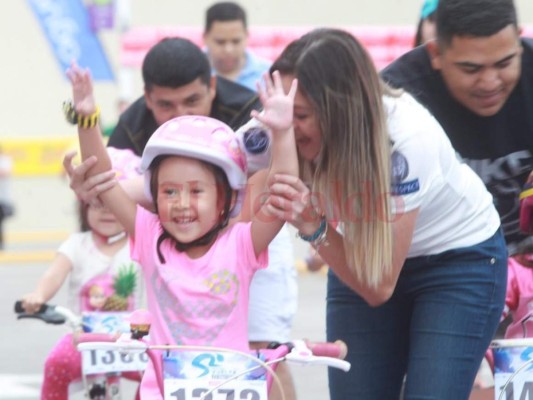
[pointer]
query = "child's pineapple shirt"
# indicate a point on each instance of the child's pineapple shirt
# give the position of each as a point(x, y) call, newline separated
point(202, 301)
point(92, 279)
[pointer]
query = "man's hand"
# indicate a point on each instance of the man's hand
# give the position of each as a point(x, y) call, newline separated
point(87, 189)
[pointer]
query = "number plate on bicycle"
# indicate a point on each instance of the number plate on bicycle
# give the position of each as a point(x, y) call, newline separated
point(101, 361)
point(190, 374)
point(516, 363)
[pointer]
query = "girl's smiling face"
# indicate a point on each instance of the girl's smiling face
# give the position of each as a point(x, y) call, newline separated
point(187, 198)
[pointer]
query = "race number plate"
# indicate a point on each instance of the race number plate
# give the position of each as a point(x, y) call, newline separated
point(191, 374)
point(101, 361)
point(506, 362)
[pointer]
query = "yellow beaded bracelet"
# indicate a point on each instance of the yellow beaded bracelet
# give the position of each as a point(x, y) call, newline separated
point(83, 121)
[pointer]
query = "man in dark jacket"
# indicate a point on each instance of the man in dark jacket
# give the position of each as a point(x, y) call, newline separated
point(477, 80)
point(178, 81)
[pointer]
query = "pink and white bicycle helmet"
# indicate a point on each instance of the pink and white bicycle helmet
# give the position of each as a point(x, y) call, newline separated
point(202, 138)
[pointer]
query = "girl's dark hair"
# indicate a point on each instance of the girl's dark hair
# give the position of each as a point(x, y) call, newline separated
point(476, 18)
point(223, 189)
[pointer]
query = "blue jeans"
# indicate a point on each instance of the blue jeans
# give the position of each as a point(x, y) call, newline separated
point(434, 330)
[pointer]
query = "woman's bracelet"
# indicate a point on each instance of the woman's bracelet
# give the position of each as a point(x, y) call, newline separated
point(319, 237)
point(83, 121)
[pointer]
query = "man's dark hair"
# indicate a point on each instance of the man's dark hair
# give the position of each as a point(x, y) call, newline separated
point(477, 18)
point(224, 11)
point(175, 62)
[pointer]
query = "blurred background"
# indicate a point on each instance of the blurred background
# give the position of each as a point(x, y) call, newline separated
point(34, 85)
point(38, 40)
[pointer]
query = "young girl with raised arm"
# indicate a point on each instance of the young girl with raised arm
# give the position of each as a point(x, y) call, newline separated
point(93, 260)
point(197, 266)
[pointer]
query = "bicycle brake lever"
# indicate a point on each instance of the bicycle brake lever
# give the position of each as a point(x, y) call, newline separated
point(308, 359)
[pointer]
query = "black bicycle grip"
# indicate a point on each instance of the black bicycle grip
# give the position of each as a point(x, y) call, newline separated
point(46, 313)
point(20, 310)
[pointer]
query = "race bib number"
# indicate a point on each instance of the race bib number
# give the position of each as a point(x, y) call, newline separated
point(507, 361)
point(520, 388)
point(101, 361)
point(189, 375)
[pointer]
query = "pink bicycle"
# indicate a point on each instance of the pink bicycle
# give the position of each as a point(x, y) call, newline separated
point(208, 373)
point(101, 370)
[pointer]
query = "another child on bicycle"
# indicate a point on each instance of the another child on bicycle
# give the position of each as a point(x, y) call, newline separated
point(519, 297)
point(197, 265)
point(102, 277)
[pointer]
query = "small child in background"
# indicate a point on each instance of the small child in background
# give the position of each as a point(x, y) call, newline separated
point(197, 265)
point(518, 306)
point(102, 277)
point(426, 28)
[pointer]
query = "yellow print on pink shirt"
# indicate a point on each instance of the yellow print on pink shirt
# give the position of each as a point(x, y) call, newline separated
point(195, 310)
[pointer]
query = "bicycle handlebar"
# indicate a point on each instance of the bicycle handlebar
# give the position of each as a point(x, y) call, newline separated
point(50, 314)
point(298, 351)
point(319, 353)
point(337, 349)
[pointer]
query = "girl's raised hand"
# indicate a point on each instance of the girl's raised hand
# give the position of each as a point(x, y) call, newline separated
point(82, 89)
point(278, 106)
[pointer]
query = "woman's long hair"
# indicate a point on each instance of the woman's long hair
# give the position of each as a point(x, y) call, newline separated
point(352, 170)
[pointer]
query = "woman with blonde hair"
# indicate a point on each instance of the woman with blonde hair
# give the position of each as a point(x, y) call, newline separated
point(417, 259)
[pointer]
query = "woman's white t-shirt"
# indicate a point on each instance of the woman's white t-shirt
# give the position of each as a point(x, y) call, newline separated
point(455, 208)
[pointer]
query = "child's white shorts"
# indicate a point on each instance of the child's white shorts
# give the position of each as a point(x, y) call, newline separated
point(274, 293)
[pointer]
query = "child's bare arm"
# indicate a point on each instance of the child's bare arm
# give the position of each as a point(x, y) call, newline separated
point(49, 284)
point(91, 144)
point(278, 116)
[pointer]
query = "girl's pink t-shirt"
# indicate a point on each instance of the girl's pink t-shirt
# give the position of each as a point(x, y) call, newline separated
point(201, 301)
